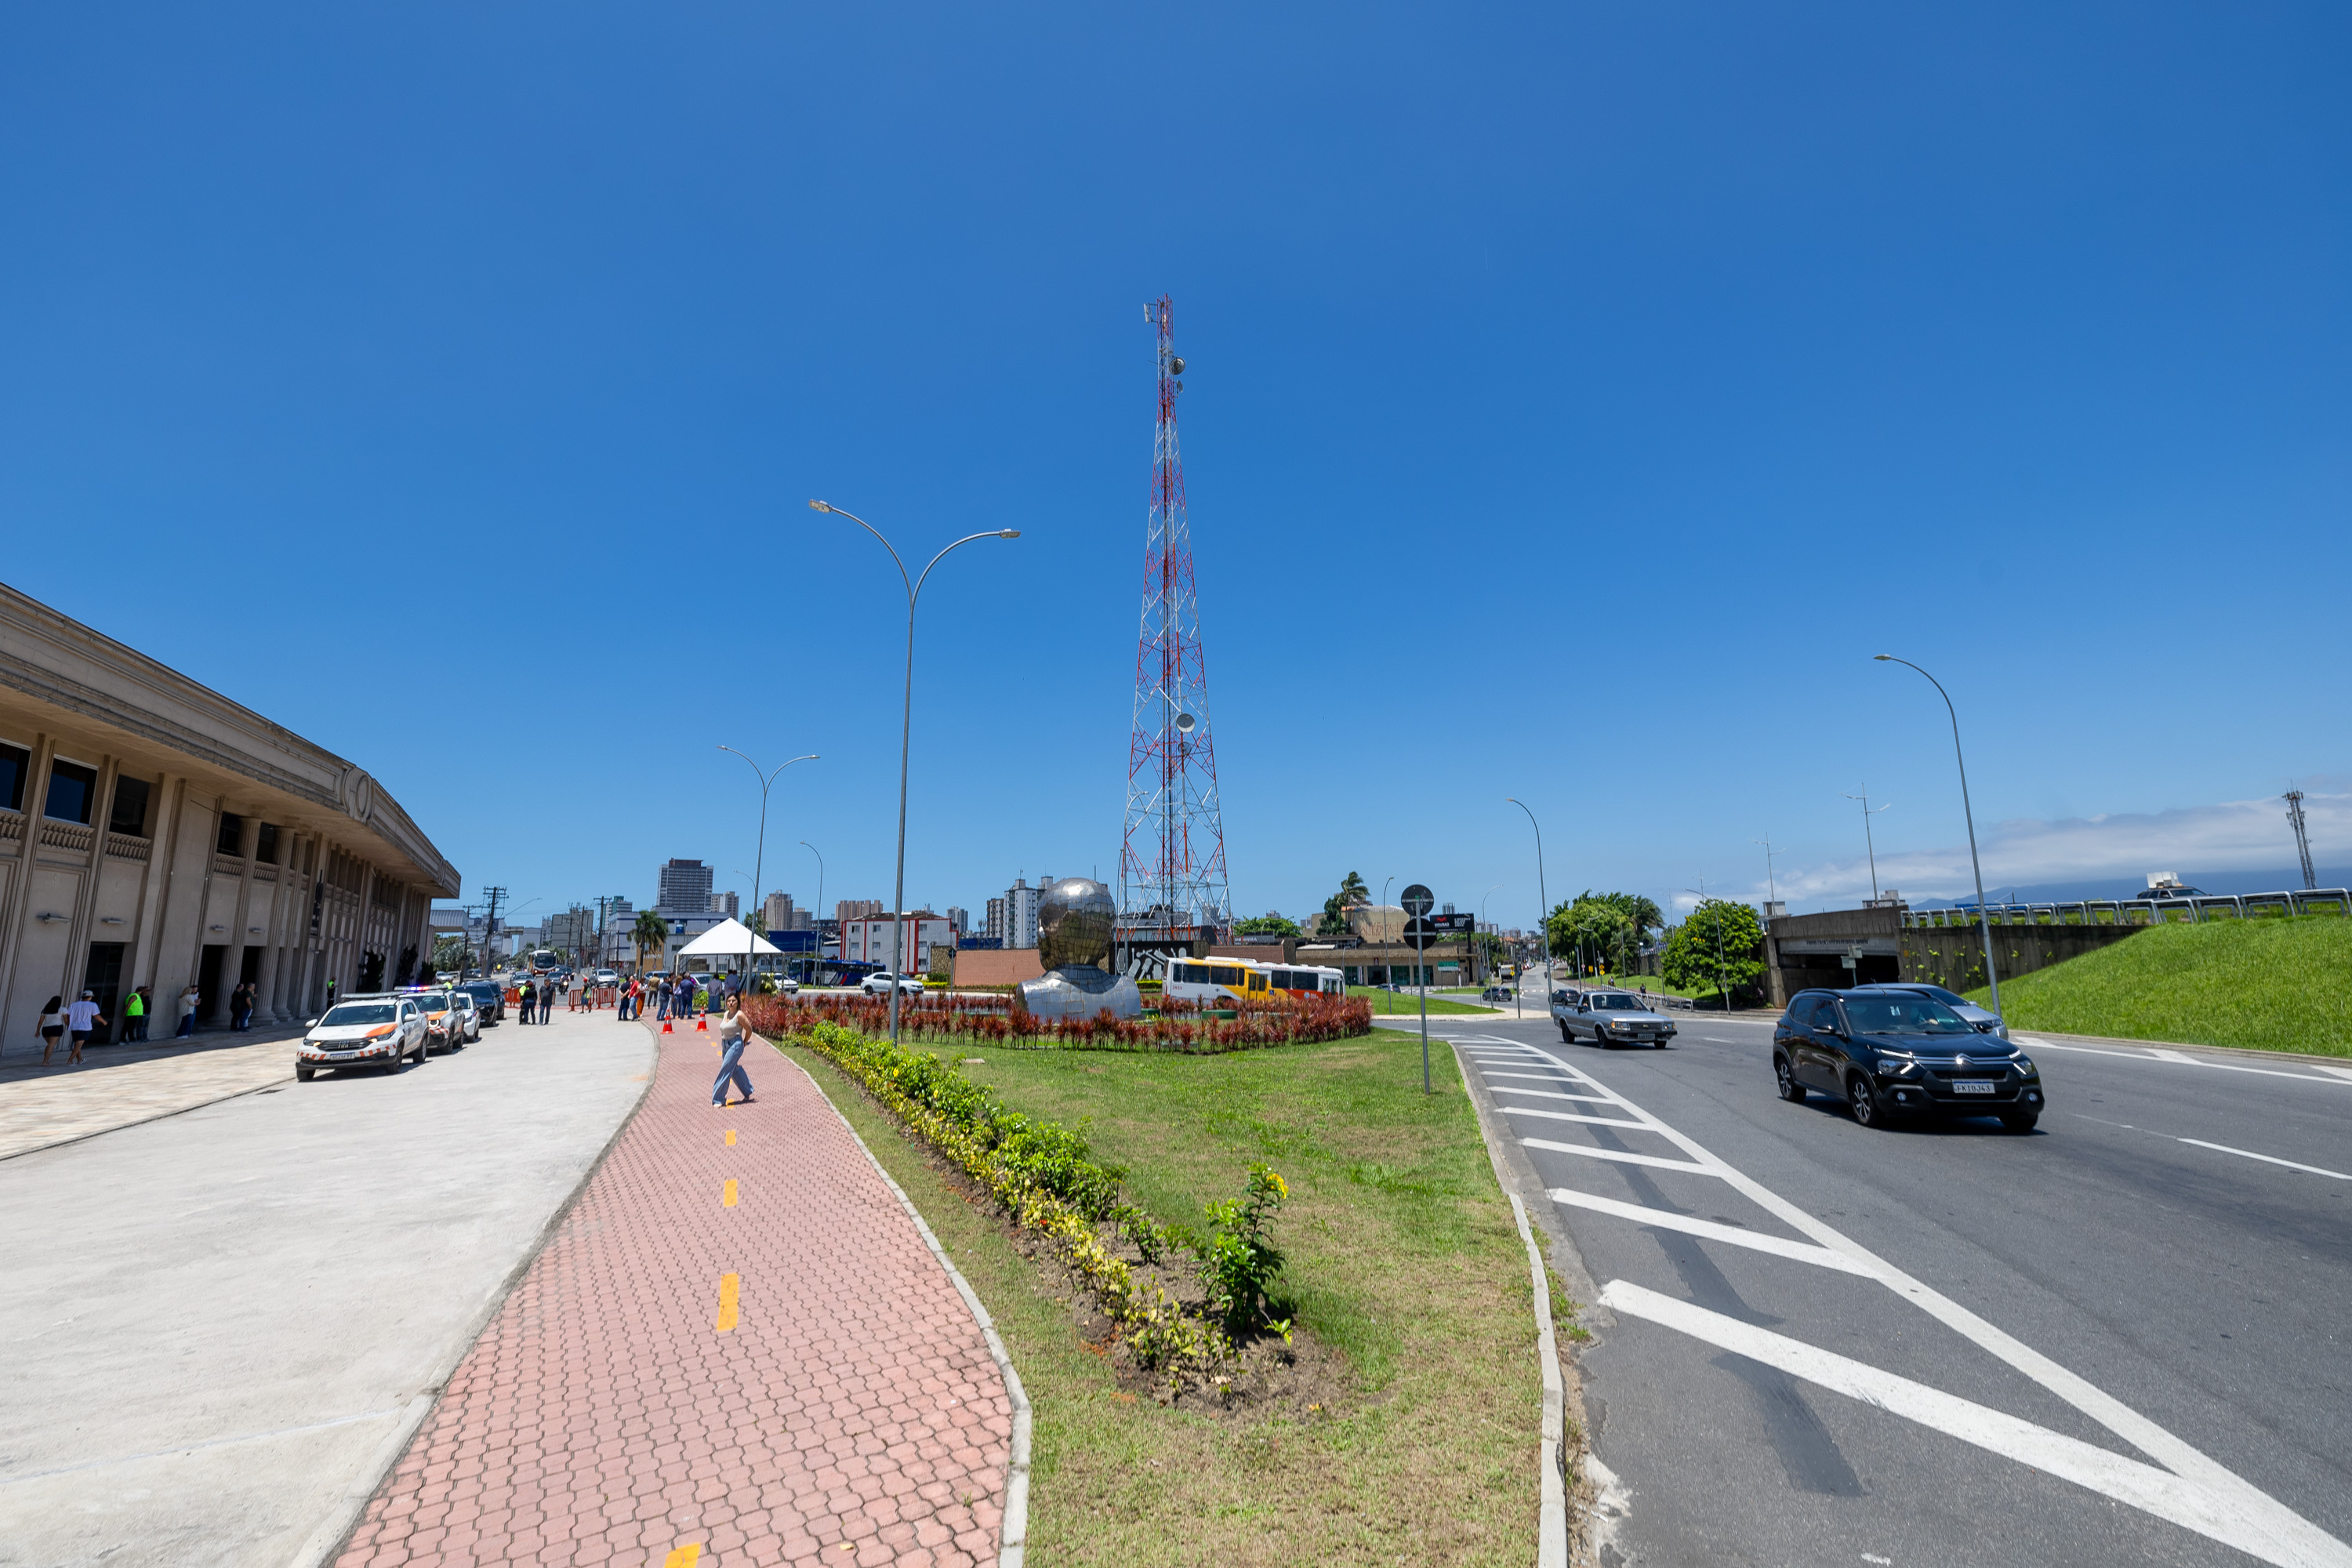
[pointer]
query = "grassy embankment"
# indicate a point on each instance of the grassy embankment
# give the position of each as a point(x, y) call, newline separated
point(1398, 1004)
point(2270, 984)
point(1404, 1259)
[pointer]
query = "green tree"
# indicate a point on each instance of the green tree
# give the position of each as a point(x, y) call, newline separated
point(1352, 892)
point(651, 933)
point(1606, 929)
point(1720, 948)
point(1266, 924)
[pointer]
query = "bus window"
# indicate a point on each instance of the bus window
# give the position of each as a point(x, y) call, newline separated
point(1256, 980)
point(1225, 975)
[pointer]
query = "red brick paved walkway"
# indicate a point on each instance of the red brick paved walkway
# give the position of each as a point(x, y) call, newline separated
point(852, 1415)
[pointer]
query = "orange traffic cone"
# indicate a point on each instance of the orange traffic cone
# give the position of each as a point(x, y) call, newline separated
point(702, 1025)
point(666, 1029)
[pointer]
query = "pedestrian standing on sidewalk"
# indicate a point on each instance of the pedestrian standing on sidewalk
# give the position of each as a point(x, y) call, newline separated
point(192, 998)
point(547, 1001)
point(733, 1037)
point(52, 1024)
point(524, 997)
point(134, 1014)
point(82, 1017)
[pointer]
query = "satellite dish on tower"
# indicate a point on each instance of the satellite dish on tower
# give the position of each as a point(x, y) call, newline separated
point(1185, 723)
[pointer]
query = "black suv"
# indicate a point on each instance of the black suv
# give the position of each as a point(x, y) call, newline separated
point(489, 998)
point(1892, 1055)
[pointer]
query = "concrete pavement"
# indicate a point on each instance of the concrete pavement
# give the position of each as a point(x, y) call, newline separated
point(116, 1085)
point(216, 1323)
point(2117, 1340)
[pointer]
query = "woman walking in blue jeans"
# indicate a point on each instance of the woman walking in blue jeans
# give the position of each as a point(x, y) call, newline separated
point(733, 1037)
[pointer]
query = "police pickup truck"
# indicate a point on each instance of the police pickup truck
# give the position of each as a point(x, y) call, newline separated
point(1608, 1018)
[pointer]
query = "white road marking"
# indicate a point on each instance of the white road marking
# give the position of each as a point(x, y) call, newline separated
point(1620, 1157)
point(2321, 1073)
point(1550, 1094)
point(2256, 1509)
point(1538, 1076)
point(1666, 1219)
point(2184, 1501)
point(2266, 1159)
point(1569, 1116)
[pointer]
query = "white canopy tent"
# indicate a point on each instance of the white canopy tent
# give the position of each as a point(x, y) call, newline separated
point(729, 939)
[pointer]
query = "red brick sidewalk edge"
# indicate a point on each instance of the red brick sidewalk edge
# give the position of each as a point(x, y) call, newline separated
point(1012, 1538)
point(326, 1542)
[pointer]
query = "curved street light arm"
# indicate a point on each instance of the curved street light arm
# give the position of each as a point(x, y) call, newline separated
point(1984, 919)
point(1543, 916)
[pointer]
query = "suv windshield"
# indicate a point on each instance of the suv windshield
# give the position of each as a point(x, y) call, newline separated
point(1614, 1001)
point(357, 1012)
point(1911, 1015)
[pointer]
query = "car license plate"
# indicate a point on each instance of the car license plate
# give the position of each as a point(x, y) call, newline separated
point(1971, 1086)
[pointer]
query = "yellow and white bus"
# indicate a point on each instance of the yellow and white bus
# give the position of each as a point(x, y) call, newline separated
point(1214, 981)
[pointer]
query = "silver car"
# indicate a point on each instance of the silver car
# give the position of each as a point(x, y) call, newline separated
point(1981, 1021)
point(1610, 1018)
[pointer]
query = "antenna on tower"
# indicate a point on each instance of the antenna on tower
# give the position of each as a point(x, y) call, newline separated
point(2293, 798)
point(1171, 870)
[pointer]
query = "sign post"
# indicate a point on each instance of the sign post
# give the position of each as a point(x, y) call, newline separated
point(1418, 901)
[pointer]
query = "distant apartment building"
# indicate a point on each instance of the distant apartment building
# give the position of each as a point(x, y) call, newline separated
point(993, 928)
point(961, 919)
point(865, 939)
point(729, 903)
point(573, 932)
point(856, 908)
point(685, 889)
point(780, 913)
point(1018, 920)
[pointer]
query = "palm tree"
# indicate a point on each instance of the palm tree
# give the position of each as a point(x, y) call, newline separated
point(1354, 891)
point(651, 933)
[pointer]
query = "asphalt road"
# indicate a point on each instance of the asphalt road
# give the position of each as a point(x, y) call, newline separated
point(214, 1323)
point(2119, 1338)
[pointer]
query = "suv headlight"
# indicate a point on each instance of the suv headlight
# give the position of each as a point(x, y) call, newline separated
point(1895, 1065)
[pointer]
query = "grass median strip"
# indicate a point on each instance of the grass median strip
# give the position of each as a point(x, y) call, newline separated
point(1418, 1438)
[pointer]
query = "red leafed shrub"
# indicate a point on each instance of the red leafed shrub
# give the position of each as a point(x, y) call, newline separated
point(991, 1020)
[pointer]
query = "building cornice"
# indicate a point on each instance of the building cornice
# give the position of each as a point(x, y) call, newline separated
point(59, 663)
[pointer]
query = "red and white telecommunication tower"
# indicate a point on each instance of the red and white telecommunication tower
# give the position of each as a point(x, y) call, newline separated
point(1171, 872)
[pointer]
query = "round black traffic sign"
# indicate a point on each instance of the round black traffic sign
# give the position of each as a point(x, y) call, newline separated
point(1418, 901)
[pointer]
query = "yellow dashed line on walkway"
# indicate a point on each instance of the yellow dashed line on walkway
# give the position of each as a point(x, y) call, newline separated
point(730, 1137)
point(727, 1194)
point(685, 1557)
point(731, 1292)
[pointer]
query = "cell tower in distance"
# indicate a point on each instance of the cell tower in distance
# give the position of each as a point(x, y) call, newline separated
point(1172, 871)
point(2293, 798)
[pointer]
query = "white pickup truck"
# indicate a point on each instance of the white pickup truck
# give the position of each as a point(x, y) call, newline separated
point(1608, 1018)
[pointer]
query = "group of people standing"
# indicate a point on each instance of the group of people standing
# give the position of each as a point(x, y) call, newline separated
point(536, 1002)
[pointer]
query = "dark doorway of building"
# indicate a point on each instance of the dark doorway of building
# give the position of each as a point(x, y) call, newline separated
point(371, 972)
point(210, 1003)
point(103, 979)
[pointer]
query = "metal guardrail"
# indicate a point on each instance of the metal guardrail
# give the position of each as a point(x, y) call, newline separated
point(2142, 911)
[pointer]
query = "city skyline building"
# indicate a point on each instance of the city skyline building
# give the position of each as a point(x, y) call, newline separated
point(684, 887)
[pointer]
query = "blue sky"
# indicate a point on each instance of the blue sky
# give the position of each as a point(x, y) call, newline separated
point(1578, 395)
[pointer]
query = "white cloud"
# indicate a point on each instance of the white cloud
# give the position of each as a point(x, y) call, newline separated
point(2239, 834)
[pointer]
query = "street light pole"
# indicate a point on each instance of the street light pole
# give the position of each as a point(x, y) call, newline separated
point(816, 921)
point(1384, 938)
point(1543, 928)
point(759, 857)
point(1984, 919)
point(906, 733)
point(1869, 845)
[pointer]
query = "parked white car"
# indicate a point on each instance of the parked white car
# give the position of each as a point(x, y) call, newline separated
point(362, 1031)
point(879, 983)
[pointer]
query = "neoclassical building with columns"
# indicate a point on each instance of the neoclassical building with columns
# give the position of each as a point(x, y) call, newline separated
point(154, 833)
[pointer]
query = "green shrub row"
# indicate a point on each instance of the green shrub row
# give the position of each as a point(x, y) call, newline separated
point(1042, 1172)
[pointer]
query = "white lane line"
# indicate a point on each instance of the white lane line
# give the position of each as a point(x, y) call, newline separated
point(1572, 1116)
point(2320, 1073)
point(2149, 1438)
point(1550, 1094)
point(2266, 1159)
point(1538, 1076)
point(1620, 1157)
point(1666, 1219)
point(2168, 1496)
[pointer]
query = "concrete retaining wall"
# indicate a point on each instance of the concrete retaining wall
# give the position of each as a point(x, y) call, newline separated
point(1953, 956)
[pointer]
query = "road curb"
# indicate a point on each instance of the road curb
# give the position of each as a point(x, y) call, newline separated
point(1012, 1538)
point(326, 1542)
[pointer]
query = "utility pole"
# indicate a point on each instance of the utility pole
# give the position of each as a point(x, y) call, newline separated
point(1868, 811)
point(489, 931)
point(2302, 838)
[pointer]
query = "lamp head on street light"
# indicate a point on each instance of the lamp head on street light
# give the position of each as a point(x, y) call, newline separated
point(1008, 533)
point(820, 505)
point(1883, 658)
